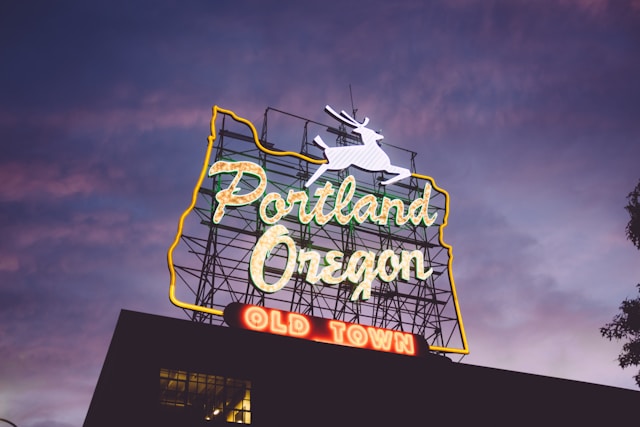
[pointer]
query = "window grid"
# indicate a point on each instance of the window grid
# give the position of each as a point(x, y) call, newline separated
point(217, 397)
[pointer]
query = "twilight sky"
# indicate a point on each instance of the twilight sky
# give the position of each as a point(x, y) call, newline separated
point(526, 112)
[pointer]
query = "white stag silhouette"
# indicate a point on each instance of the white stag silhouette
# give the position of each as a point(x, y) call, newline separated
point(368, 156)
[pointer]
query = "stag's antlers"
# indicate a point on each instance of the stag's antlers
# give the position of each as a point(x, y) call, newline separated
point(346, 118)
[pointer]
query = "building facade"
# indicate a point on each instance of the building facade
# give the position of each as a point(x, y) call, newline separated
point(162, 371)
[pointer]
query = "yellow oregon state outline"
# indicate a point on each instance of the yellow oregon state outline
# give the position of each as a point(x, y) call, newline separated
point(205, 166)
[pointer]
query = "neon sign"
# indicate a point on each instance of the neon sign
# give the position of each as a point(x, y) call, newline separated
point(318, 329)
point(289, 244)
point(362, 267)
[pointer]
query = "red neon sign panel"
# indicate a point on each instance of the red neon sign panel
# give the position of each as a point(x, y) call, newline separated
point(330, 331)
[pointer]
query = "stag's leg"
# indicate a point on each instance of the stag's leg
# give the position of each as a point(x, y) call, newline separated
point(317, 174)
point(402, 174)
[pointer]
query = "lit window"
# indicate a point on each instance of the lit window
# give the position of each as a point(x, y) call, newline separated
point(216, 397)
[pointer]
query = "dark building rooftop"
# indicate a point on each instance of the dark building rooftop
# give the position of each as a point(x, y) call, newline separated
point(163, 371)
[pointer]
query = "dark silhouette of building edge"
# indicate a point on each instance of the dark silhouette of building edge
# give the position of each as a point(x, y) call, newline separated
point(296, 382)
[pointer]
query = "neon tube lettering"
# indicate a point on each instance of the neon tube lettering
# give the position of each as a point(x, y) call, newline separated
point(298, 325)
point(362, 267)
point(256, 318)
point(367, 208)
point(403, 343)
point(228, 196)
point(276, 321)
point(355, 335)
point(380, 338)
point(278, 234)
point(337, 328)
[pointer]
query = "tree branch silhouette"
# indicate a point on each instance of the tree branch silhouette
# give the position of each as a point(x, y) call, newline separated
point(626, 324)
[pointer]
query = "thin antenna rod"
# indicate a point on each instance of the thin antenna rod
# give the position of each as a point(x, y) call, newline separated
point(354, 110)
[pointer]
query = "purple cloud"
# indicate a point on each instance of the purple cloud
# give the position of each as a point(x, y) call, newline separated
point(526, 112)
